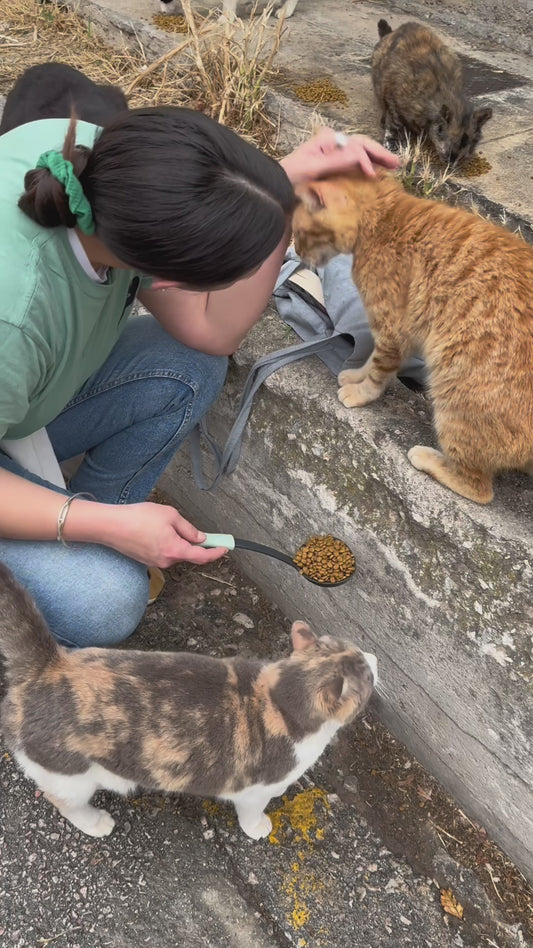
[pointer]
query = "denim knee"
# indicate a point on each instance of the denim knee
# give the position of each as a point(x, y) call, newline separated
point(107, 607)
point(88, 595)
point(208, 375)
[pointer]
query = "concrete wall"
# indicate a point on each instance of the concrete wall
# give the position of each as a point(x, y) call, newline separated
point(442, 591)
point(504, 23)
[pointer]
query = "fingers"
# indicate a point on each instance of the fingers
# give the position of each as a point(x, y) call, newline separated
point(186, 529)
point(365, 163)
point(382, 156)
point(199, 556)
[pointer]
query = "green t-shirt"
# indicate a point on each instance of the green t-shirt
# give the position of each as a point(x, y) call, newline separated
point(57, 326)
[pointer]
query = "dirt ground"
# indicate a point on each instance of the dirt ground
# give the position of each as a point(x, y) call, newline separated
point(366, 767)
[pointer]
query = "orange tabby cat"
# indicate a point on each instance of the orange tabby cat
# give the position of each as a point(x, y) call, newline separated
point(455, 288)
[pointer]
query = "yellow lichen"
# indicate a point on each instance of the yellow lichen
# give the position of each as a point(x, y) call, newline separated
point(301, 814)
point(210, 807)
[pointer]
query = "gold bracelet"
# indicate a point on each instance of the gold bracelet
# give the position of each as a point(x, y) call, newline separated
point(62, 515)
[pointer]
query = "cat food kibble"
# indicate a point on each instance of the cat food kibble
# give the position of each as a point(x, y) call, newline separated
point(325, 559)
point(171, 24)
point(320, 90)
point(475, 166)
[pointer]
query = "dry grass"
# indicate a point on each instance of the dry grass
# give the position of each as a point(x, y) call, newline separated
point(420, 174)
point(219, 68)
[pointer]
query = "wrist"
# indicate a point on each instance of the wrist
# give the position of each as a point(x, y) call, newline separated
point(89, 521)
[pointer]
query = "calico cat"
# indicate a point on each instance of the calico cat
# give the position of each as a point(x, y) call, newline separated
point(236, 729)
point(418, 83)
point(455, 288)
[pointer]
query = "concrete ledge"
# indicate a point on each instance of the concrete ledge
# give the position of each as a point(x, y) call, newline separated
point(442, 592)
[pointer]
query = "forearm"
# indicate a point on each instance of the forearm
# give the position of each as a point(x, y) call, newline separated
point(154, 534)
point(30, 511)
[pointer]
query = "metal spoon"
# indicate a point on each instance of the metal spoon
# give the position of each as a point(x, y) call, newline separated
point(232, 543)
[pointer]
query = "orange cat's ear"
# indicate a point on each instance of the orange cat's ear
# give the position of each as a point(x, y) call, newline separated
point(301, 636)
point(311, 197)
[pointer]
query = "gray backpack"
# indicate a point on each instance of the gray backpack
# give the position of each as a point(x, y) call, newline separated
point(325, 310)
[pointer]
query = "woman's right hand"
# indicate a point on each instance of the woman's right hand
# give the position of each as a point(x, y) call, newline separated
point(154, 534)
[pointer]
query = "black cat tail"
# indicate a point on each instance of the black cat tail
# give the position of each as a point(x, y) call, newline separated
point(25, 639)
point(383, 28)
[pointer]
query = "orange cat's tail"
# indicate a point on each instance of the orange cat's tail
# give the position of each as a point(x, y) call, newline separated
point(383, 28)
point(25, 639)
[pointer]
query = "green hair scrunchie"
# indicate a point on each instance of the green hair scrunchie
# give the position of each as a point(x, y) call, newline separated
point(63, 171)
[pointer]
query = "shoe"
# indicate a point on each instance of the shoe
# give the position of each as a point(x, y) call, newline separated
point(157, 583)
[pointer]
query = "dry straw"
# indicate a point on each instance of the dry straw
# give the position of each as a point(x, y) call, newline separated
point(220, 68)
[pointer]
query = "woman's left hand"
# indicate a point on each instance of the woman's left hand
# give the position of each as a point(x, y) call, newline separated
point(322, 155)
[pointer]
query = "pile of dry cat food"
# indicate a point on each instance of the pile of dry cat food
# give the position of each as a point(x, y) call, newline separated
point(319, 91)
point(325, 559)
point(171, 24)
point(475, 166)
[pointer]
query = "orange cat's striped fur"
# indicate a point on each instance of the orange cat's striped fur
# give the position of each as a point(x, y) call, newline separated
point(455, 288)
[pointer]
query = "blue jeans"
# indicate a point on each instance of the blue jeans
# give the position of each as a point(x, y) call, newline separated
point(128, 419)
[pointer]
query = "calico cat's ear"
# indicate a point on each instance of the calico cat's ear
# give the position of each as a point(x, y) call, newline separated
point(302, 637)
point(331, 692)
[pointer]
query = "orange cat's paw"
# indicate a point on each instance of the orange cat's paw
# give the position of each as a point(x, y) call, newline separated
point(424, 458)
point(352, 376)
point(472, 484)
point(352, 396)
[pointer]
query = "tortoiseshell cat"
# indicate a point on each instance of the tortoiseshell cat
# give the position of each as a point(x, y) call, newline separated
point(236, 729)
point(458, 290)
point(418, 83)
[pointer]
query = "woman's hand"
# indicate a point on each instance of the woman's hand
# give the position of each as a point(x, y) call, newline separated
point(154, 534)
point(322, 155)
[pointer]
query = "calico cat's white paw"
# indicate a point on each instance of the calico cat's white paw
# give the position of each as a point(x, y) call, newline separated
point(259, 829)
point(352, 396)
point(90, 820)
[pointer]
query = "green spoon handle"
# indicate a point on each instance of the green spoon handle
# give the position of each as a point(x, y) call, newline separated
point(219, 539)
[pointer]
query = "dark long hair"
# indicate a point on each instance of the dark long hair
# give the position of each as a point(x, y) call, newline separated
point(174, 195)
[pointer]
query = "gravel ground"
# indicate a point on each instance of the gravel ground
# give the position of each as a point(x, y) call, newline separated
point(178, 871)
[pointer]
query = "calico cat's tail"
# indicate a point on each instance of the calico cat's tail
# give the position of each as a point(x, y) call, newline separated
point(383, 28)
point(25, 639)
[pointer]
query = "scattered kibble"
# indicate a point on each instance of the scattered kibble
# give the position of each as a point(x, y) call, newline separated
point(325, 559)
point(320, 90)
point(171, 24)
point(475, 166)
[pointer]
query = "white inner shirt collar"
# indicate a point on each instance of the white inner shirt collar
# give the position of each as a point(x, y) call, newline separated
point(97, 276)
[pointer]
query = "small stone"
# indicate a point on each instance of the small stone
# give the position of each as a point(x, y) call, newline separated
point(252, 878)
point(242, 619)
point(208, 834)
